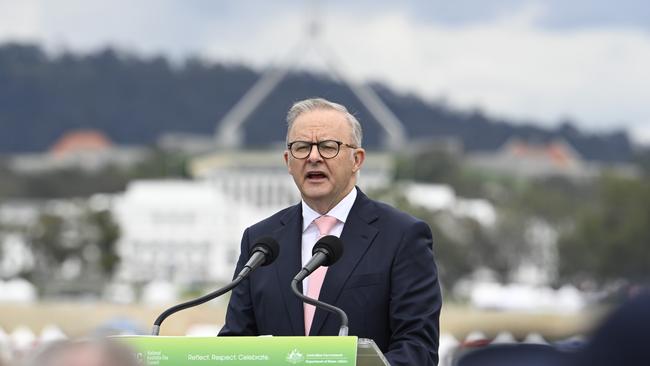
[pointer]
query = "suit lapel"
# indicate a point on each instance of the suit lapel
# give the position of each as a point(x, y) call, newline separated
point(357, 236)
point(289, 263)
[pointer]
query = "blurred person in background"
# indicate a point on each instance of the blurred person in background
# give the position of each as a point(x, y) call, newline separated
point(96, 352)
point(386, 280)
point(622, 339)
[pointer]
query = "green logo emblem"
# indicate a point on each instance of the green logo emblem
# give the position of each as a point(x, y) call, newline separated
point(295, 357)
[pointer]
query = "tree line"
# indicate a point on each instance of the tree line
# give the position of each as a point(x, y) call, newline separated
point(134, 99)
point(601, 225)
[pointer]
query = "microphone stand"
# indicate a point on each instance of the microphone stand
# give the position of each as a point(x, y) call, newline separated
point(343, 331)
point(264, 252)
point(188, 304)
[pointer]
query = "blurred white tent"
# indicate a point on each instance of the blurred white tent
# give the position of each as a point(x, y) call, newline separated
point(203, 330)
point(22, 339)
point(437, 197)
point(51, 333)
point(4, 337)
point(159, 293)
point(475, 336)
point(503, 338)
point(535, 338)
point(521, 297)
point(5, 345)
point(447, 344)
point(119, 293)
point(17, 290)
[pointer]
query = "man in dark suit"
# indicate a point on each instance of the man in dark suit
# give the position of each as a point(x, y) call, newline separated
point(386, 280)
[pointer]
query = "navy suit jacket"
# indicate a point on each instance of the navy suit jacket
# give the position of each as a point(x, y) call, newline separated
point(386, 281)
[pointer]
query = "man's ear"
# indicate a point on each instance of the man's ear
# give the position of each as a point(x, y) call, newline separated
point(286, 158)
point(359, 158)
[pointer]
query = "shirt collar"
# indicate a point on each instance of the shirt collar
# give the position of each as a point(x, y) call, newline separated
point(340, 211)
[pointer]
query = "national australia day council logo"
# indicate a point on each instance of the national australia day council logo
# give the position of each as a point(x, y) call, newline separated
point(295, 356)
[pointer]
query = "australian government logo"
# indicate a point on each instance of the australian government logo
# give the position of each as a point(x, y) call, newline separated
point(295, 357)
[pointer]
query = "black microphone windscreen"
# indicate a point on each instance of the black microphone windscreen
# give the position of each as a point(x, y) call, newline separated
point(334, 247)
point(269, 246)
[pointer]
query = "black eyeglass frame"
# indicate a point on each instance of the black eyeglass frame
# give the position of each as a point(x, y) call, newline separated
point(318, 147)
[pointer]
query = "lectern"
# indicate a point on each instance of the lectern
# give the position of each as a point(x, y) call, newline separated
point(259, 351)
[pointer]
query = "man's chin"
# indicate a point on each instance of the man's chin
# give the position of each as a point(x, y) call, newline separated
point(316, 193)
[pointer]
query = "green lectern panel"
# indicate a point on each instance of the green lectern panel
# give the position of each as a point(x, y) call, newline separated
point(204, 351)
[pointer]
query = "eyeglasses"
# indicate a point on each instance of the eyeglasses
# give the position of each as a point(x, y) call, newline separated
point(328, 149)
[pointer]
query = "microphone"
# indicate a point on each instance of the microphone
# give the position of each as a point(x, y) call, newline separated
point(326, 252)
point(264, 252)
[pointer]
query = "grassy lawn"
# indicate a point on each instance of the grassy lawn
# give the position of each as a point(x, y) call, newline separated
point(461, 320)
point(80, 319)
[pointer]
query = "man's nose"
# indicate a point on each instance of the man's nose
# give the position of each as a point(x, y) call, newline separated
point(314, 154)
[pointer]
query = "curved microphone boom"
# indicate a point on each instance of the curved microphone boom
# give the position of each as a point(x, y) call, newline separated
point(264, 252)
point(326, 252)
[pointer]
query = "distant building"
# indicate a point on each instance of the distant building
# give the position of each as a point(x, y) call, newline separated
point(190, 231)
point(180, 231)
point(15, 253)
point(539, 264)
point(441, 197)
point(448, 145)
point(261, 177)
point(88, 150)
point(257, 178)
point(81, 142)
point(21, 222)
point(531, 160)
point(187, 143)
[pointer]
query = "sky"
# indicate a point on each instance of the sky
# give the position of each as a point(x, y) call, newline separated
point(539, 62)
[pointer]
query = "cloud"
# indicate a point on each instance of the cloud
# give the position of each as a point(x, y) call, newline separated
point(505, 63)
point(19, 20)
point(508, 66)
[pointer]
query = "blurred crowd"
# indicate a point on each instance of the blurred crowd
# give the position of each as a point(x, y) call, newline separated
point(85, 352)
point(619, 340)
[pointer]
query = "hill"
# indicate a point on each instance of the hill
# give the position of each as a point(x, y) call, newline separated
point(135, 99)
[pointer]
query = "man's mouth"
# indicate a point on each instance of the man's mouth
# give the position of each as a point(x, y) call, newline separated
point(315, 175)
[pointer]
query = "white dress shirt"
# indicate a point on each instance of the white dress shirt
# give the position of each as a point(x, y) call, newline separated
point(310, 233)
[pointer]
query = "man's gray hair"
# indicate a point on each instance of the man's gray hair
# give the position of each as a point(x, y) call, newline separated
point(313, 104)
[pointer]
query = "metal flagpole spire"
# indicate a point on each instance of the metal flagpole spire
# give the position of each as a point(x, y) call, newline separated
point(229, 130)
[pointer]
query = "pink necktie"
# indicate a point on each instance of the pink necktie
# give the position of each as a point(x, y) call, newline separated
point(325, 225)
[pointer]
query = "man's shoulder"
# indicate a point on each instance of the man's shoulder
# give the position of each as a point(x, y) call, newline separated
point(278, 217)
point(390, 214)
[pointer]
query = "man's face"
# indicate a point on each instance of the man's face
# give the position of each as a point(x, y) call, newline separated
point(324, 182)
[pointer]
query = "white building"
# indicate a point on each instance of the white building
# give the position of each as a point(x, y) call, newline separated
point(180, 231)
point(15, 254)
point(190, 231)
point(442, 197)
